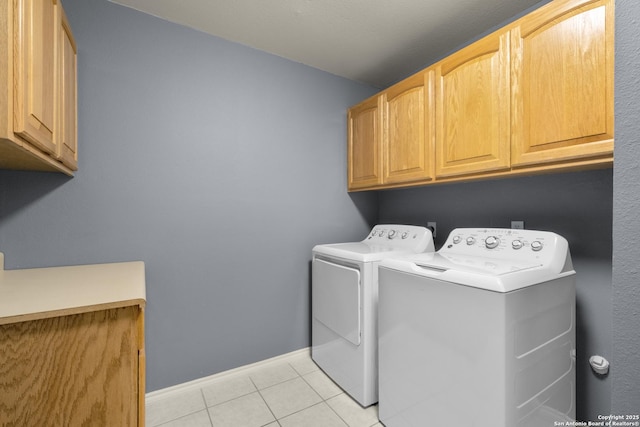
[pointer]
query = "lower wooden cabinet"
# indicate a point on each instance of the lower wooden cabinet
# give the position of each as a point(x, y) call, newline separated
point(84, 369)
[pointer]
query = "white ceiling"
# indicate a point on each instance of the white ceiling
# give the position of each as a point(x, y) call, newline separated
point(372, 41)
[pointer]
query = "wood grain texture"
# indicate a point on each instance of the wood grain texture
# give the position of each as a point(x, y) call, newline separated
point(15, 151)
point(533, 97)
point(364, 145)
point(603, 162)
point(78, 370)
point(142, 369)
point(34, 72)
point(472, 108)
point(408, 129)
point(67, 131)
point(562, 83)
point(19, 155)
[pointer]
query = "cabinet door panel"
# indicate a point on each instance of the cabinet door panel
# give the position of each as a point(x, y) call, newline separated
point(364, 145)
point(472, 109)
point(67, 142)
point(34, 72)
point(563, 83)
point(74, 370)
point(409, 130)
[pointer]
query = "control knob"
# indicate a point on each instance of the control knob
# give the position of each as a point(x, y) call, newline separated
point(471, 240)
point(517, 244)
point(536, 245)
point(390, 234)
point(491, 242)
point(456, 239)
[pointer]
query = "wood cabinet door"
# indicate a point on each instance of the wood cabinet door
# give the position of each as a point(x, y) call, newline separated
point(34, 72)
point(562, 72)
point(472, 108)
point(67, 134)
point(408, 129)
point(75, 370)
point(363, 147)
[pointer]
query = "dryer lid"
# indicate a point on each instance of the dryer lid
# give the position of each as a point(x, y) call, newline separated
point(359, 251)
point(383, 241)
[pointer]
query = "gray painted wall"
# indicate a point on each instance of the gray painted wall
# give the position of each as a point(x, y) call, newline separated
point(577, 206)
point(625, 371)
point(189, 142)
point(217, 165)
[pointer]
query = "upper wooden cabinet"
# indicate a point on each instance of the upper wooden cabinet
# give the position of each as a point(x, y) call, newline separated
point(391, 135)
point(38, 87)
point(363, 145)
point(472, 108)
point(408, 130)
point(535, 96)
point(562, 62)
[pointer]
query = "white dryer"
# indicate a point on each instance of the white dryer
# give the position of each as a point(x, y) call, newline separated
point(344, 304)
point(480, 333)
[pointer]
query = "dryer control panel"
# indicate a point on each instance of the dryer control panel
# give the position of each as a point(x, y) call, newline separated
point(411, 237)
point(507, 243)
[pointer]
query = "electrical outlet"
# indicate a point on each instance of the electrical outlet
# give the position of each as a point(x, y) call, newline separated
point(517, 225)
point(432, 226)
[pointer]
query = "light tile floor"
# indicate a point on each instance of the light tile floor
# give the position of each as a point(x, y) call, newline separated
point(290, 392)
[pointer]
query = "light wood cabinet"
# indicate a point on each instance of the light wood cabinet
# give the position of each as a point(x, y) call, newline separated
point(72, 346)
point(563, 69)
point(364, 145)
point(391, 135)
point(408, 130)
point(38, 79)
point(533, 97)
point(472, 109)
point(74, 370)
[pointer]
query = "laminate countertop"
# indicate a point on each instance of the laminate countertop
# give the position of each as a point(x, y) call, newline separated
point(40, 293)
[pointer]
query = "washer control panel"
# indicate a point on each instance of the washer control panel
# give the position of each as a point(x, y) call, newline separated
point(501, 242)
point(410, 237)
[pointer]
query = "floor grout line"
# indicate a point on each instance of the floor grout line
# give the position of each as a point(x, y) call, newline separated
point(299, 374)
point(265, 402)
point(206, 407)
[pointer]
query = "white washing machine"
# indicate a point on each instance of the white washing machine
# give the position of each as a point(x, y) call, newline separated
point(480, 333)
point(344, 304)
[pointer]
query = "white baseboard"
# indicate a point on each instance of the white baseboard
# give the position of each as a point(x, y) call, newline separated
point(201, 382)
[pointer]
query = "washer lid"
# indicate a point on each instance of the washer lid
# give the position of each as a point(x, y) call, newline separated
point(476, 265)
point(490, 274)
